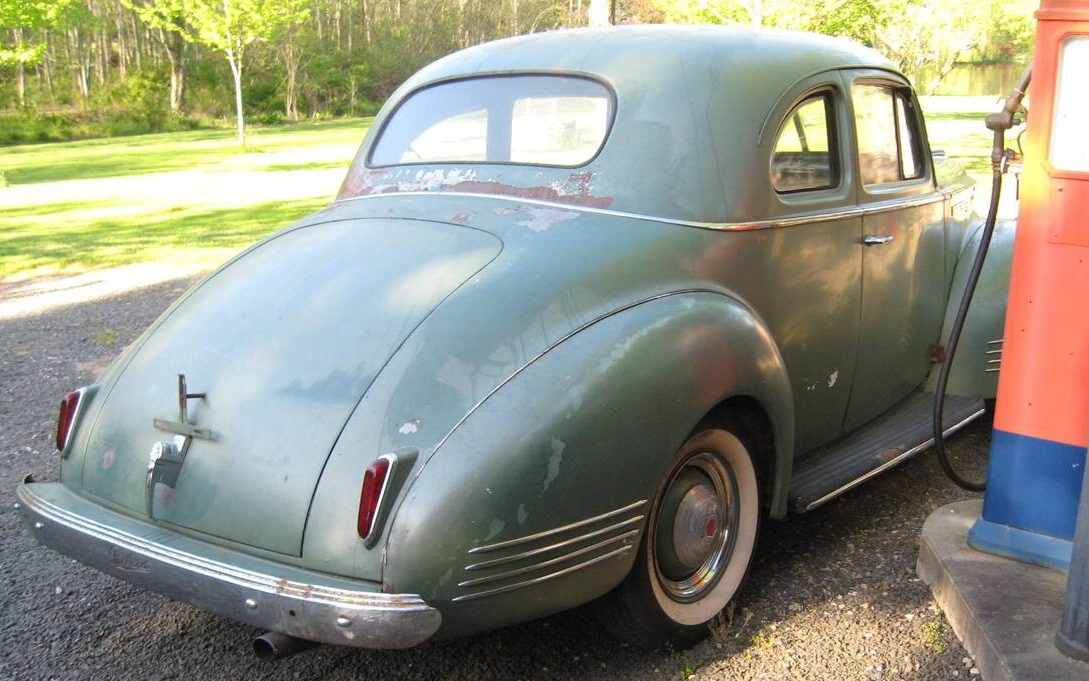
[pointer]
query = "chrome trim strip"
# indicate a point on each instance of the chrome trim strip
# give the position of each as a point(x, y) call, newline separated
point(311, 611)
point(551, 547)
point(889, 464)
point(552, 561)
point(991, 371)
point(544, 578)
point(807, 218)
point(556, 530)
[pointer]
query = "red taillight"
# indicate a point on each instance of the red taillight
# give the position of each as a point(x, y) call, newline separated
point(67, 415)
point(374, 483)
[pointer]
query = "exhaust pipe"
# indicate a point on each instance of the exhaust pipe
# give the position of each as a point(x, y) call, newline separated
point(273, 645)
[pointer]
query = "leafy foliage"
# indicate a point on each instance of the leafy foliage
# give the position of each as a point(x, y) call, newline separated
point(295, 59)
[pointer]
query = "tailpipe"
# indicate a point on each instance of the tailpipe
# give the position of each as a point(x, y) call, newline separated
point(273, 645)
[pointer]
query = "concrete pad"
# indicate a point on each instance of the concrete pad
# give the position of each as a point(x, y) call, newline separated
point(1005, 612)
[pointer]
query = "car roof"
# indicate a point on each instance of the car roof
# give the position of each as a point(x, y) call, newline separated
point(596, 51)
point(692, 105)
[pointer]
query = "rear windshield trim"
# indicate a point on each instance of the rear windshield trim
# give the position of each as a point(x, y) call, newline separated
point(611, 118)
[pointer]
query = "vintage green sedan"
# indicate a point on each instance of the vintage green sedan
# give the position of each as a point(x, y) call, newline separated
point(589, 306)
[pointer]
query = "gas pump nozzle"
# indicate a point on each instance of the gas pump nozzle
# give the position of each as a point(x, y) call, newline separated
point(1005, 119)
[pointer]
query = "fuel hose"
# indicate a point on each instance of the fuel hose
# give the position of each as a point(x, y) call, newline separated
point(999, 123)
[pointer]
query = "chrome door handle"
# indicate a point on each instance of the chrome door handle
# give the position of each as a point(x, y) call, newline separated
point(872, 240)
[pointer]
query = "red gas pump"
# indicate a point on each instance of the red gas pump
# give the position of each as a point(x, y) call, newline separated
point(1041, 424)
point(1041, 429)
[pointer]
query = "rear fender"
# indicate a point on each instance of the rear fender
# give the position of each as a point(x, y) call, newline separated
point(586, 429)
point(975, 367)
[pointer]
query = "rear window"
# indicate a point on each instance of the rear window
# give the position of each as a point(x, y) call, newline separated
point(533, 120)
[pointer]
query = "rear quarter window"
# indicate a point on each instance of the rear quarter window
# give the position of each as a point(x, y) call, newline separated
point(533, 120)
point(805, 157)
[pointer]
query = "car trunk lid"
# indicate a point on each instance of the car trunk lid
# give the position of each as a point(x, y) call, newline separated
point(284, 341)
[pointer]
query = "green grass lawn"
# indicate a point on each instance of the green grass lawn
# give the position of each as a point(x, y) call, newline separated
point(955, 125)
point(193, 197)
point(186, 197)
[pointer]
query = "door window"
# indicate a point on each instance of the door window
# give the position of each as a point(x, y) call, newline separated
point(888, 139)
point(804, 156)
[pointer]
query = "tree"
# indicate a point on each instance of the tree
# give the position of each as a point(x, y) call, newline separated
point(27, 20)
point(293, 44)
point(230, 27)
point(913, 33)
point(930, 33)
point(165, 17)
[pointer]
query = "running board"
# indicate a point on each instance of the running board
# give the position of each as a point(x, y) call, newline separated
point(888, 440)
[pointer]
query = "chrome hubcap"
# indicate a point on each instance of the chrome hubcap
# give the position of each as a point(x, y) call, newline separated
point(695, 528)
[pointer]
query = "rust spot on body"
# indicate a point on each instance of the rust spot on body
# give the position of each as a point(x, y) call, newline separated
point(538, 193)
point(576, 190)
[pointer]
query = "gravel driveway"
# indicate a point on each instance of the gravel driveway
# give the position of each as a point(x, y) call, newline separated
point(833, 594)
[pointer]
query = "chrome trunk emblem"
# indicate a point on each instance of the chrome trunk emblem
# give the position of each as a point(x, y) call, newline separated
point(166, 458)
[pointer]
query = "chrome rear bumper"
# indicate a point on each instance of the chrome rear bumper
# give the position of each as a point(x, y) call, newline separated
point(255, 591)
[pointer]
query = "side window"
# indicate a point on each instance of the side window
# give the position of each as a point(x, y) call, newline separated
point(888, 142)
point(805, 153)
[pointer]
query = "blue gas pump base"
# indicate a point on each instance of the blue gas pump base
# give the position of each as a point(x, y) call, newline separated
point(1022, 545)
point(1004, 611)
point(1031, 507)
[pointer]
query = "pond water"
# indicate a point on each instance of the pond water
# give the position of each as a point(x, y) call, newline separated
point(971, 79)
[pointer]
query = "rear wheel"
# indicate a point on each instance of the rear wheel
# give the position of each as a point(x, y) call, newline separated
point(698, 544)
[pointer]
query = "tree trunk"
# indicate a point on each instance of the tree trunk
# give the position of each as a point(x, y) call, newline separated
point(366, 24)
point(175, 49)
point(756, 13)
point(137, 47)
point(47, 65)
point(598, 13)
point(20, 67)
point(122, 46)
point(336, 24)
point(177, 83)
point(351, 94)
point(236, 71)
point(101, 65)
point(80, 60)
point(291, 66)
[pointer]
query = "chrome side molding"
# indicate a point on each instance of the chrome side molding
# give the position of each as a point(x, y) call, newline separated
point(746, 226)
point(557, 530)
point(553, 553)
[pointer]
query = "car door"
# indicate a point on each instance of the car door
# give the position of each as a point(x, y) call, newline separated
point(903, 253)
point(809, 286)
